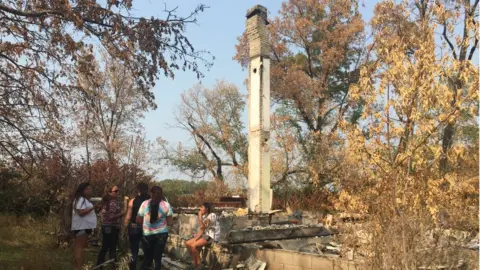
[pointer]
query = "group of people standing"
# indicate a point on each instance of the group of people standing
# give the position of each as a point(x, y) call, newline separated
point(147, 219)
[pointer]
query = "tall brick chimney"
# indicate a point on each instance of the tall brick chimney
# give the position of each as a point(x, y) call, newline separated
point(259, 191)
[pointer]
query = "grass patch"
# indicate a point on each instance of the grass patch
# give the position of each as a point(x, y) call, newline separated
point(28, 243)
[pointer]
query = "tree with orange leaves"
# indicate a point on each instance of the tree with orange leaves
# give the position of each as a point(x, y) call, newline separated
point(315, 49)
point(415, 89)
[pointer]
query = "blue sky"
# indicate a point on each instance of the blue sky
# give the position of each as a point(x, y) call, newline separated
point(217, 30)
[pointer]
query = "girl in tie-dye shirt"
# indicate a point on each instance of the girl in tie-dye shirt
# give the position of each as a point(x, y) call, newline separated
point(158, 226)
point(155, 215)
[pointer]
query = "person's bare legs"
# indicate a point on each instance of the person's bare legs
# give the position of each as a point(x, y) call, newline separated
point(190, 249)
point(80, 242)
point(196, 254)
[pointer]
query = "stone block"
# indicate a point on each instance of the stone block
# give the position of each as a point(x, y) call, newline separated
point(226, 225)
point(302, 260)
point(293, 267)
point(322, 263)
point(188, 224)
point(275, 266)
point(239, 223)
point(269, 256)
point(293, 259)
point(265, 255)
point(283, 256)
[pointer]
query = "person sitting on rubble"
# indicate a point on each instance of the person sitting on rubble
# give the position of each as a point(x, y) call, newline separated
point(209, 232)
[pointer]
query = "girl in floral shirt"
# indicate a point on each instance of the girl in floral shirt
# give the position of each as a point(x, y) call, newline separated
point(111, 214)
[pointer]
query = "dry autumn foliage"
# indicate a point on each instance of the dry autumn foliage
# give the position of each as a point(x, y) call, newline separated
point(315, 52)
point(46, 49)
point(415, 88)
point(44, 42)
point(108, 109)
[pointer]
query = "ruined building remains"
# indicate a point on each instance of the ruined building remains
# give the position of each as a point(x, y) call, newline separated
point(259, 191)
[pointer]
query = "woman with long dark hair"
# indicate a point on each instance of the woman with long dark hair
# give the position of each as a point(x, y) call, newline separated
point(155, 215)
point(111, 214)
point(84, 221)
point(135, 230)
point(209, 232)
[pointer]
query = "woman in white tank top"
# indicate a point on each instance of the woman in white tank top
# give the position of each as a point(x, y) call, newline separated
point(84, 220)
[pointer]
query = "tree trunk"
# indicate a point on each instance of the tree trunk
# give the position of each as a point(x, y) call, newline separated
point(449, 131)
point(64, 230)
point(447, 142)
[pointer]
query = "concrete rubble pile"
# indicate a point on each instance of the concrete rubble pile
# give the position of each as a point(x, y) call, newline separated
point(250, 242)
point(244, 236)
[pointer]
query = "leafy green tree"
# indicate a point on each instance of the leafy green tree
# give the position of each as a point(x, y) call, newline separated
point(212, 117)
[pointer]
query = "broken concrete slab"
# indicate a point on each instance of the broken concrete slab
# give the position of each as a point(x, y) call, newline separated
point(248, 236)
point(300, 245)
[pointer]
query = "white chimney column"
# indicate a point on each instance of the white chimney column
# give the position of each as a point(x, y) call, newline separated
point(259, 191)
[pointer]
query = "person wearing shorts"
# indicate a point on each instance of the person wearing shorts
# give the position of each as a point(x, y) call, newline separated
point(84, 220)
point(208, 239)
point(209, 232)
point(82, 232)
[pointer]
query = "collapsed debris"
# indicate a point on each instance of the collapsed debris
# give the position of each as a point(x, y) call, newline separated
point(253, 263)
point(172, 264)
point(268, 233)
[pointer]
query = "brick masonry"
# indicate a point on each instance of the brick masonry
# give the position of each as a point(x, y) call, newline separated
point(257, 32)
point(288, 260)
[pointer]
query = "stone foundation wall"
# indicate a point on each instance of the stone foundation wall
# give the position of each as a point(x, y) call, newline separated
point(278, 259)
point(220, 257)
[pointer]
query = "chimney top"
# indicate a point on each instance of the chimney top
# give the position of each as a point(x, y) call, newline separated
point(258, 9)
